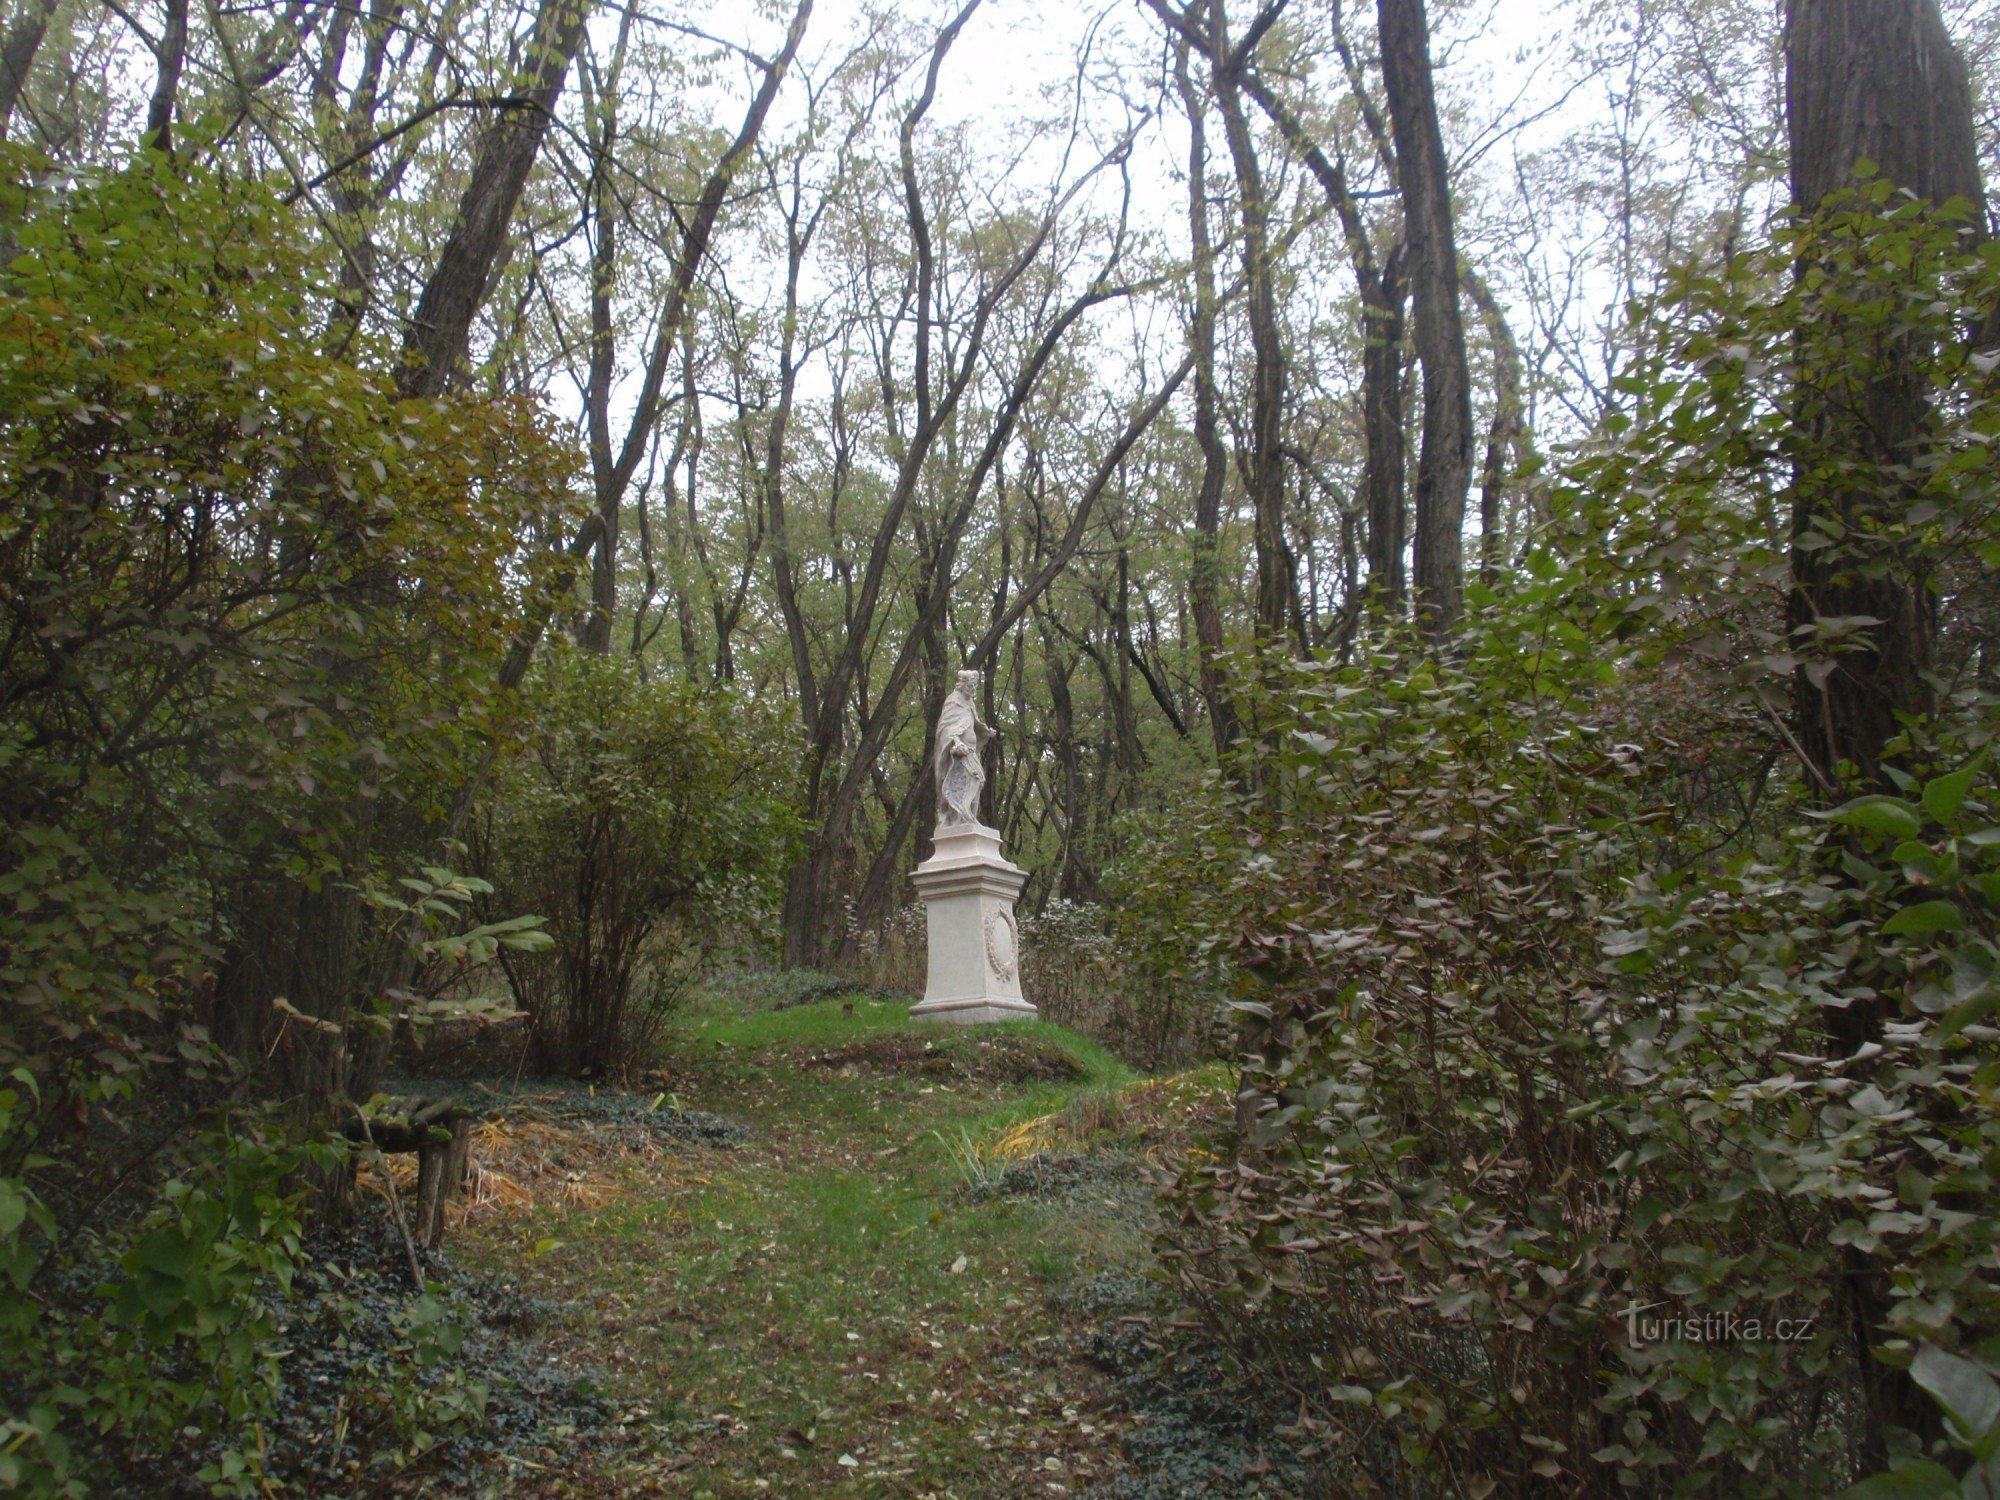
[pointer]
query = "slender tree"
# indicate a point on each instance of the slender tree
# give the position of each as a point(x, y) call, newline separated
point(1444, 463)
point(613, 469)
point(1205, 564)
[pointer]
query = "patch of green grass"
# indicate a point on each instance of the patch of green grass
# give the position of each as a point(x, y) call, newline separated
point(822, 1023)
point(831, 1023)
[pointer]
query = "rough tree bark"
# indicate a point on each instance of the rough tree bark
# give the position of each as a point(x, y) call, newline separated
point(18, 47)
point(1380, 281)
point(1264, 464)
point(1880, 80)
point(440, 332)
point(1444, 464)
point(170, 55)
point(1507, 437)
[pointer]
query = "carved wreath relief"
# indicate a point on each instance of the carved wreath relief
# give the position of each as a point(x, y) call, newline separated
point(1002, 942)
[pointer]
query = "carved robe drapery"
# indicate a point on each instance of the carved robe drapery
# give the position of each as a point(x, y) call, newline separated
point(961, 741)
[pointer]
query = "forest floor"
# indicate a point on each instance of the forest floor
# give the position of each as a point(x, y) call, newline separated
point(921, 1269)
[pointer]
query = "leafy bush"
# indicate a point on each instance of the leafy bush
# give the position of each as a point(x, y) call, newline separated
point(132, 1268)
point(254, 605)
point(1518, 1080)
point(1066, 962)
point(648, 823)
point(1558, 1169)
point(894, 958)
point(1080, 968)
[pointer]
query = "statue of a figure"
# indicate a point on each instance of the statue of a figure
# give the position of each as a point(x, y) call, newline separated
point(961, 739)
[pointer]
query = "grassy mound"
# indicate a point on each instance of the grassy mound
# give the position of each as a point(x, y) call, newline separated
point(990, 1055)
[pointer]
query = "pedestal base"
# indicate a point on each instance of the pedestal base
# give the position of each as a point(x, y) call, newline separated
point(969, 887)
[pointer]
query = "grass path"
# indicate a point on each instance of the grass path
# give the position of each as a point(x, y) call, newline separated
point(824, 1311)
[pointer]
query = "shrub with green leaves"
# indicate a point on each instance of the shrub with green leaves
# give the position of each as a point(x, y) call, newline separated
point(1558, 1170)
point(648, 823)
point(250, 601)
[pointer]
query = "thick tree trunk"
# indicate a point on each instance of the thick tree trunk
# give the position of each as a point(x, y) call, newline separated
point(18, 47)
point(1873, 79)
point(1444, 465)
point(1876, 80)
point(440, 332)
point(1384, 475)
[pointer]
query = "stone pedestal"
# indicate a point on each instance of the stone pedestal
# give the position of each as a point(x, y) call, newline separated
point(969, 887)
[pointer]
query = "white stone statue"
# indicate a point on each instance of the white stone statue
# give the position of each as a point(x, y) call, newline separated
point(961, 744)
point(967, 884)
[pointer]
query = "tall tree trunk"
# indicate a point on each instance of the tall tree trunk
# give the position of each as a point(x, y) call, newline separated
point(330, 943)
point(18, 47)
point(1071, 882)
point(1204, 571)
point(356, 190)
point(1264, 464)
point(1384, 467)
point(1444, 465)
point(1874, 79)
point(440, 332)
point(604, 212)
point(1131, 755)
point(1880, 80)
point(171, 58)
point(1506, 434)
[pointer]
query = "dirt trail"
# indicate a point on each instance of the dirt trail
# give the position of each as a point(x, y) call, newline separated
point(867, 1296)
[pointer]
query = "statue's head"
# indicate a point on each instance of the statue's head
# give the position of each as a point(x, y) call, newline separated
point(968, 682)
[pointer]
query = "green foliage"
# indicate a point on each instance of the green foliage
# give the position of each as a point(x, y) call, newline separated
point(249, 602)
point(150, 1337)
point(132, 1319)
point(208, 521)
point(1168, 917)
point(1736, 456)
point(649, 822)
point(451, 958)
point(1554, 1174)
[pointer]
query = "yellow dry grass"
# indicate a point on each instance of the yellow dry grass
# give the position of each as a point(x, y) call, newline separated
point(518, 1166)
point(1157, 1114)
